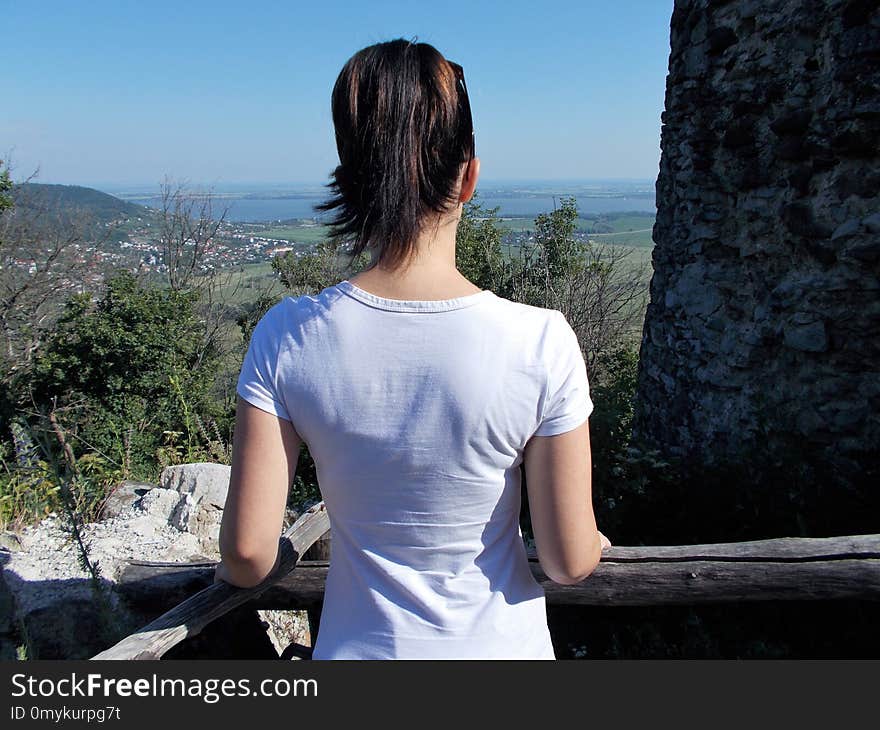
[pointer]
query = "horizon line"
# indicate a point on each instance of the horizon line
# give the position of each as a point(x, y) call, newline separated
point(142, 185)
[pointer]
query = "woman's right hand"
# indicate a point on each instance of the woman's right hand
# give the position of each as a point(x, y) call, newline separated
point(606, 543)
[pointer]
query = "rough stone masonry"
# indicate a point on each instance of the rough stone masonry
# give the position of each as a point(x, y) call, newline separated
point(764, 320)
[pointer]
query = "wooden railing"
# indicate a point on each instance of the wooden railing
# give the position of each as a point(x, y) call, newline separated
point(788, 568)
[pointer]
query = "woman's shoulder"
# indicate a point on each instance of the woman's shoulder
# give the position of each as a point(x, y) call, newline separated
point(291, 309)
point(542, 317)
point(529, 330)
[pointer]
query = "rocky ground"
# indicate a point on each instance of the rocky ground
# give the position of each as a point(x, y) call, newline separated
point(51, 607)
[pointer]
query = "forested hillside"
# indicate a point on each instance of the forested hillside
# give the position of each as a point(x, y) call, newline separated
point(70, 199)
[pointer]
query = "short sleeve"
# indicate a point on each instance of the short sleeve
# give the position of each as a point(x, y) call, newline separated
point(567, 404)
point(258, 379)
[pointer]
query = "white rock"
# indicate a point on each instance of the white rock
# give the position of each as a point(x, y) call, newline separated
point(205, 482)
point(184, 513)
point(160, 503)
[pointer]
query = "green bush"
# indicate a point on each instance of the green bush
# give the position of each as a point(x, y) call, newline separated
point(121, 370)
point(28, 491)
point(478, 254)
point(32, 487)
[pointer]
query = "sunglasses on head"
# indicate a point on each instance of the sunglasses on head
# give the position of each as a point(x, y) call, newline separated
point(465, 101)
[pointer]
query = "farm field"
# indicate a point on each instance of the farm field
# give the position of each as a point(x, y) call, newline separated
point(629, 229)
point(641, 238)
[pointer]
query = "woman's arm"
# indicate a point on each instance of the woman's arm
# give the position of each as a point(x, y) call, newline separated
point(558, 482)
point(265, 452)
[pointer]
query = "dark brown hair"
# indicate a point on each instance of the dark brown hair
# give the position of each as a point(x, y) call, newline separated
point(403, 130)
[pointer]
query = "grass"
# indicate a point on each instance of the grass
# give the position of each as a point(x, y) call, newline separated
point(629, 222)
point(627, 229)
point(241, 285)
point(637, 239)
point(641, 252)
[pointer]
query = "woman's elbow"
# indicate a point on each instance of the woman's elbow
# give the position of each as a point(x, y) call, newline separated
point(570, 577)
point(572, 572)
point(248, 566)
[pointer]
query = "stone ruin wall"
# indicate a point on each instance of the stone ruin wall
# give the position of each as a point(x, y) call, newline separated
point(764, 320)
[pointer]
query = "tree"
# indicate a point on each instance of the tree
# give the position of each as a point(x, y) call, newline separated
point(43, 259)
point(555, 236)
point(543, 271)
point(5, 188)
point(191, 229)
point(604, 301)
point(126, 368)
point(327, 264)
point(598, 287)
point(187, 229)
point(478, 254)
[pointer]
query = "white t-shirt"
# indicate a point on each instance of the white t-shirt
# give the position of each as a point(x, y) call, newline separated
point(416, 414)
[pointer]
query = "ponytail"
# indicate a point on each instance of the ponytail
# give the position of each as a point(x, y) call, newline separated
point(402, 136)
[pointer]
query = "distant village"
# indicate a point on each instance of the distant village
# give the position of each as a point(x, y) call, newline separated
point(236, 244)
point(133, 242)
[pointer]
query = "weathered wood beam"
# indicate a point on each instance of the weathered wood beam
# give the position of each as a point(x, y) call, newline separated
point(191, 616)
point(656, 578)
point(790, 568)
point(708, 581)
point(777, 549)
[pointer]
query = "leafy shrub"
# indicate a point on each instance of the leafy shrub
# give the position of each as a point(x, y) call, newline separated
point(478, 252)
point(28, 492)
point(32, 487)
point(309, 273)
point(121, 370)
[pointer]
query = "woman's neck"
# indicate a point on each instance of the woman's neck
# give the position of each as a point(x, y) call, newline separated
point(429, 275)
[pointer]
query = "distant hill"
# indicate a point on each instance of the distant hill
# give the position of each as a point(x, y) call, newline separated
point(69, 199)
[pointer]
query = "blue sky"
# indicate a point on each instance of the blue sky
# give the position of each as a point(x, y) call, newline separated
point(223, 92)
